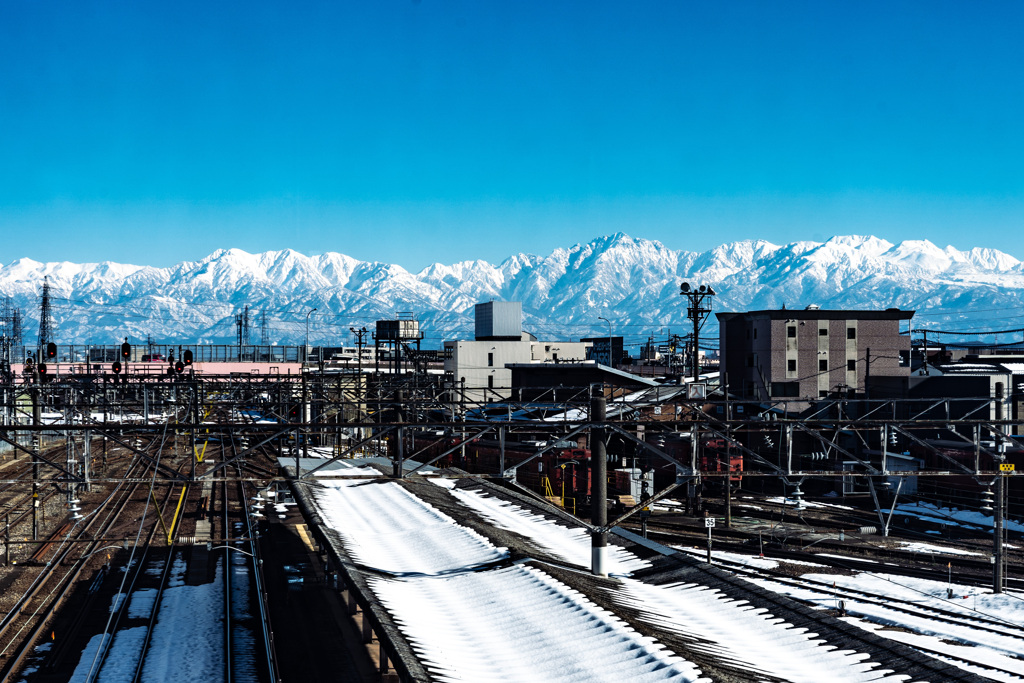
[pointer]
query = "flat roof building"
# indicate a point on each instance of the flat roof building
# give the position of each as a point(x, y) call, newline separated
point(811, 353)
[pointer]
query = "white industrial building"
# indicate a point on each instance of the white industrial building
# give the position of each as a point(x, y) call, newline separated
point(500, 340)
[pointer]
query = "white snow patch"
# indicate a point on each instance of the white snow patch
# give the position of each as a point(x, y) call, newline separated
point(520, 624)
point(571, 544)
point(391, 530)
point(750, 637)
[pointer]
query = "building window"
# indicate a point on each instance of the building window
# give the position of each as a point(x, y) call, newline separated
point(851, 332)
point(750, 360)
point(823, 394)
point(785, 389)
point(823, 365)
point(791, 331)
point(791, 365)
point(822, 331)
point(554, 357)
point(851, 365)
point(490, 360)
point(490, 381)
point(755, 333)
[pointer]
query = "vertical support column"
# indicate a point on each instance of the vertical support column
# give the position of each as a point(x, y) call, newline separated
point(728, 490)
point(36, 445)
point(399, 465)
point(598, 489)
point(789, 449)
point(997, 537)
point(885, 449)
point(501, 453)
point(353, 606)
point(305, 411)
point(382, 655)
point(367, 629)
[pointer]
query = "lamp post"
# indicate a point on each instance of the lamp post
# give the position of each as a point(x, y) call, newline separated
point(611, 359)
point(305, 349)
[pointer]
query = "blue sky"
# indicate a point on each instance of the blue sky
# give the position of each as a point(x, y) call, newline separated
point(414, 132)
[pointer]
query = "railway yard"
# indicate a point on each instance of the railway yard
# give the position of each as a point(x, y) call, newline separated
point(207, 529)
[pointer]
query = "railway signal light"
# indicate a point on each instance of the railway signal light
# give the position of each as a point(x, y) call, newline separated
point(179, 367)
point(187, 356)
point(51, 350)
point(126, 349)
point(42, 368)
point(116, 367)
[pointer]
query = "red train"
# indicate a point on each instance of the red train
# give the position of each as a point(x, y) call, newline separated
point(560, 471)
point(716, 457)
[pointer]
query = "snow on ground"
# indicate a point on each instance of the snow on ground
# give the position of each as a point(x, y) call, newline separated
point(1003, 649)
point(779, 500)
point(122, 658)
point(380, 522)
point(193, 610)
point(933, 513)
point(196, 611)
point(735, 631)
point(520, 624)
point(919, 547)
point(957, 654)
point(141, 605)
point(749, 560)
point(570, 544)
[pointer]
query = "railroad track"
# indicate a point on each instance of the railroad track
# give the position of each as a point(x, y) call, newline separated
point(1008, 635)
point(240, 631)
point(27, 622)
point(849, 563)
point(23, 626)
point(144, 584)
point(861, 558)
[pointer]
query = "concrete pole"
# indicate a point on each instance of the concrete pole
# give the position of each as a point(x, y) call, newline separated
point(37, 445)
point(598, 489)
point(399, 462)
point(997, 575)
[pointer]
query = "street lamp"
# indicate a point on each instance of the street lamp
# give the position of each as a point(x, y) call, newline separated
point(305, 349)
point(611, 360)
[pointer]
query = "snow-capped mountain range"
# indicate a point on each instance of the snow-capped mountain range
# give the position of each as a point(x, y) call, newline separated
point(632, 282)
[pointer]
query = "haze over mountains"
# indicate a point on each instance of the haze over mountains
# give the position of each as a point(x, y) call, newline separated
point(633, 282)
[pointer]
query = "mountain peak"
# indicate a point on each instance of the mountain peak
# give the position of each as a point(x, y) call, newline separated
point(633, 281)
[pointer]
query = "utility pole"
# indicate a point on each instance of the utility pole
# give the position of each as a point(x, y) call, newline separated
point(36, 445)
point(598, 489)
point(697, 311)
point(997, 536)
point(997, 551)
point(399, 454)
point(360, 333)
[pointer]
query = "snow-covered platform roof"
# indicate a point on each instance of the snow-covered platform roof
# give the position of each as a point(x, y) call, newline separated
point(467, 580)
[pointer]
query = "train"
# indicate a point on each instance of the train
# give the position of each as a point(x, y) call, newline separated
point(564, 470)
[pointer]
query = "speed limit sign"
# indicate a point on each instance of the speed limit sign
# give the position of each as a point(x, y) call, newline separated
point(709, 522)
